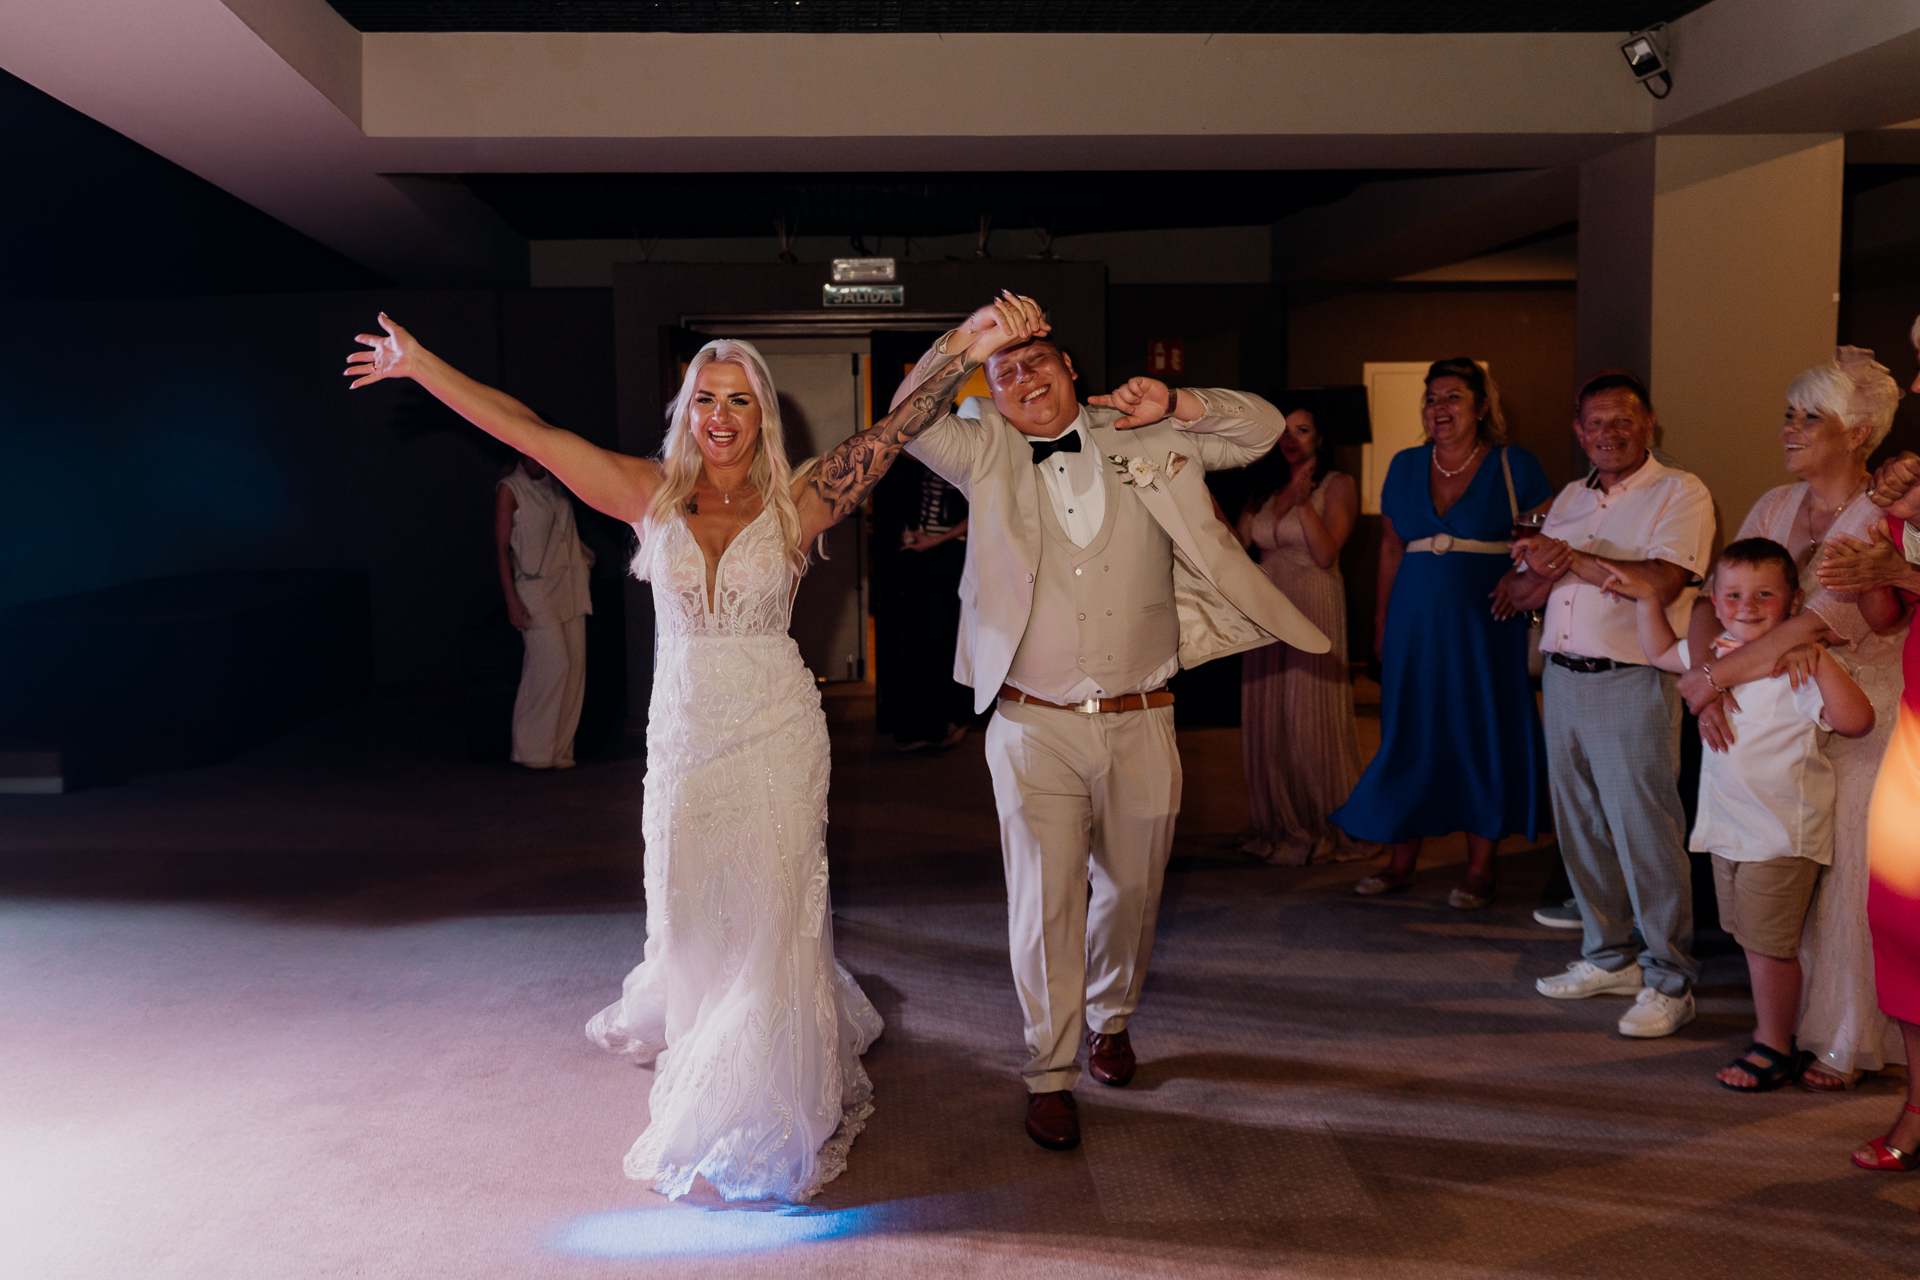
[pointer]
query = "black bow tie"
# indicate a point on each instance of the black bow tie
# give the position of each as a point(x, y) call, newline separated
point(1044, 449)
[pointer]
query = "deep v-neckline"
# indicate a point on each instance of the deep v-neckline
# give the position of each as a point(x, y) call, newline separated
point(1439, 516)
point(1802, 522)
point(713, 570)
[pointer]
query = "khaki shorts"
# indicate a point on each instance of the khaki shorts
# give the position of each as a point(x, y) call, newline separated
point(1763, 904)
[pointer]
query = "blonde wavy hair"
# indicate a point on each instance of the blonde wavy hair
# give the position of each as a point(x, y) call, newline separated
point(1854, 388)
point(771, 476)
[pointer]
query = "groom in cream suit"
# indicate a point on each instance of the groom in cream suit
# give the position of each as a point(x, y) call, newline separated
point(1096, 568)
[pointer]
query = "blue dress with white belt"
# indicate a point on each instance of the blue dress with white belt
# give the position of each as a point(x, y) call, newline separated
point(1460, 742)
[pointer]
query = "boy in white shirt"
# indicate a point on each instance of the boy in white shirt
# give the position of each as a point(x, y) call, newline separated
point(1766, 804)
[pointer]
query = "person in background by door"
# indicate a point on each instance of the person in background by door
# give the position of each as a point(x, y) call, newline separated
point(928, 706)
point(543, 573)
point(1298, 745)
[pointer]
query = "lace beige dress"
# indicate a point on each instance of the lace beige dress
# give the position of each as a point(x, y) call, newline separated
point(754, 1029)
point(1840, 1018)
point(1298, 745)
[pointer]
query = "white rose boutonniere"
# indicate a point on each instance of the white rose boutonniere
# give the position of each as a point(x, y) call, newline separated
point(1139, 472)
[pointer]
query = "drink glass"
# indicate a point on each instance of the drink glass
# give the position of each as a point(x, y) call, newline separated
point(1525, 525)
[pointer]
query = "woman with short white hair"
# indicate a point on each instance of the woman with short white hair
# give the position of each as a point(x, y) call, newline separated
point(1837, 414)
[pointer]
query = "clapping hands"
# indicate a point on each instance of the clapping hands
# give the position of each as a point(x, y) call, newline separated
point(1851, 565)
point(1896, 486)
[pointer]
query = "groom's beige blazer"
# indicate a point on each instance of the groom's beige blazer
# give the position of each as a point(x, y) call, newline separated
point(1224, 602)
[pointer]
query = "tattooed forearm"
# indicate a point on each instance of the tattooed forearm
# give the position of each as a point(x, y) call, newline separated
point(845, 476)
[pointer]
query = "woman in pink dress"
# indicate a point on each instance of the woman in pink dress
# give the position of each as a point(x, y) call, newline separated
point(1299, 748)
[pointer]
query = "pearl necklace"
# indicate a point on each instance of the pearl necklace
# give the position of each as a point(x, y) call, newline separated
point(1471, 458)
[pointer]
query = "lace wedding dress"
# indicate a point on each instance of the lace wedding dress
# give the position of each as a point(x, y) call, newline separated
point(754, 1029)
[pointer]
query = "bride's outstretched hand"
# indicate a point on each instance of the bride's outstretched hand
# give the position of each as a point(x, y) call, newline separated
point(392, 355)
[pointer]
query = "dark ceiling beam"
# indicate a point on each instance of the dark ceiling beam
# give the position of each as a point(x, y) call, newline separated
point(1387, 230)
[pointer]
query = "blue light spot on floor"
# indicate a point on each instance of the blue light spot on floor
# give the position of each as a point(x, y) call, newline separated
point(704, 1233)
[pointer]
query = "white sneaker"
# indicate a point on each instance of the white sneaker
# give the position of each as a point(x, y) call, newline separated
point(1654, 1015)
point(1583, 979)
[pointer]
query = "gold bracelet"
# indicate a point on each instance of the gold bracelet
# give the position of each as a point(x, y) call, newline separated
point(1706, 669)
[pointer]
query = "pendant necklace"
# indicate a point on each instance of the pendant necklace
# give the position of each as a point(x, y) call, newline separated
point(726, 499)
point(1457, 470)
point(1820, 513)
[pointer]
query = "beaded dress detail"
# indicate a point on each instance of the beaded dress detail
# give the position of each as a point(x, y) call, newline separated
point(754, 1029)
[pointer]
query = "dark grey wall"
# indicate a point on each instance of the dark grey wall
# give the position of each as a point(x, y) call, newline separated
point(153, 438)
point(1616, 262)
point(92, 214)
point(1235, 335)
point(1880, 281)
point(649, 300)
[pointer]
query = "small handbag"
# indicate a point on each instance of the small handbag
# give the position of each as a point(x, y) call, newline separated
point(1536, 621)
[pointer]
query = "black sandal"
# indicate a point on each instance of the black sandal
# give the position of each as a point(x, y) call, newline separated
point(1781, 1068)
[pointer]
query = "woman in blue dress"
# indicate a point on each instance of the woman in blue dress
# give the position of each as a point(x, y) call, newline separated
point(1460, 740)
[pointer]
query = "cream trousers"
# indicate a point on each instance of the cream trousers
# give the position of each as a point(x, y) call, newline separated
point(1087, 806)
point(553, 675)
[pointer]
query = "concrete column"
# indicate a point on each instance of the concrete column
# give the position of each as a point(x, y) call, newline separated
point(1614, 310)
point(1711, 263)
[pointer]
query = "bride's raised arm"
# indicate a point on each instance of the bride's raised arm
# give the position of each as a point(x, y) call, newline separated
point(606, 481)
point(829, 489)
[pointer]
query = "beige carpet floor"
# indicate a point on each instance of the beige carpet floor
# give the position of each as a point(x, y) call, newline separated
point(317, 1013)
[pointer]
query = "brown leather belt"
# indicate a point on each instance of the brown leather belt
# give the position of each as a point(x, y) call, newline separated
point(1094, 706)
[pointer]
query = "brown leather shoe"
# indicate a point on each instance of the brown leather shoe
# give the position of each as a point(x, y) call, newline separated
point(1110, 1058)
point(1053, 1120)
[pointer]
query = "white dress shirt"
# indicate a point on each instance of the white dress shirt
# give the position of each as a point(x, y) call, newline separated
point(1657, 513)
point(1075, 485)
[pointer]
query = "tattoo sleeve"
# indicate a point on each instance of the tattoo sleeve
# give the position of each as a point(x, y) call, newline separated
point(847, 474)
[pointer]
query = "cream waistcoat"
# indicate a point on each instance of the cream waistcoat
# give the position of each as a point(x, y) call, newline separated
point(1223, 602)
point(1090, 622)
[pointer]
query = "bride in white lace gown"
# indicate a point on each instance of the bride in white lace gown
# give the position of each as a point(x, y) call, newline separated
point(754, 1030)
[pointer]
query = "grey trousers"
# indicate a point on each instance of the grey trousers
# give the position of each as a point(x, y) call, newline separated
point(1612, 756)
point(1087, 806)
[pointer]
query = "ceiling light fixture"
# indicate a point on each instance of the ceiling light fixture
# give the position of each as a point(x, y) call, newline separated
point(1646, 55)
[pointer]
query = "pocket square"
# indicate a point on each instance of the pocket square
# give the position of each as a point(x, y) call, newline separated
point(1175, 461)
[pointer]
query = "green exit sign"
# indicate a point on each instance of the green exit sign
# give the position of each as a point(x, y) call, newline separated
point(863, 295)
